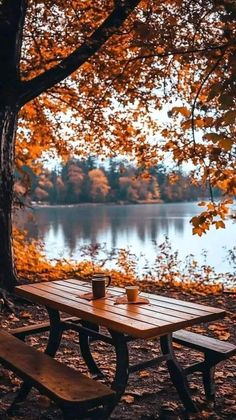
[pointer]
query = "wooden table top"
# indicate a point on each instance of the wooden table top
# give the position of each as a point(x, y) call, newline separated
point(161, 316)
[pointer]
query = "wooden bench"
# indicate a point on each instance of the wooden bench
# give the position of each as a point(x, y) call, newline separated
point(22, 332)
point(214, 351)
point(75, 393)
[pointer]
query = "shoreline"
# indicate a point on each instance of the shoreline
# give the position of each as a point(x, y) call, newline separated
point(110, 203)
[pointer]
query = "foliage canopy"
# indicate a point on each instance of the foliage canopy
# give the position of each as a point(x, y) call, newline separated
point(92, 76)
point(175, 54)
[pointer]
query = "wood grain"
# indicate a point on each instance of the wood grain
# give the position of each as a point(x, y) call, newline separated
point(163, 315)
point(48, 375)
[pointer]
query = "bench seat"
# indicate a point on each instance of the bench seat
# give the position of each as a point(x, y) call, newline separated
point(63, 384)
point(214, 351)
point(22, 332)
point(202, 343)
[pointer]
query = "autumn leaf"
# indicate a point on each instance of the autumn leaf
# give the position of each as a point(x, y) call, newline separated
point(129, 399)
point(226, 144)
point(144, 373)
point(219, 224)
point(181, 110)
point(25, 314)
point(224, 336)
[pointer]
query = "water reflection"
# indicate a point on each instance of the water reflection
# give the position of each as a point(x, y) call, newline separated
point(65, 229)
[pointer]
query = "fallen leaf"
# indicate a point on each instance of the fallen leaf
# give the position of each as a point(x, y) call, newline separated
point(129, 399)
point(224, 336)
point(25, 315)
point(144, 373)
point(177, 346)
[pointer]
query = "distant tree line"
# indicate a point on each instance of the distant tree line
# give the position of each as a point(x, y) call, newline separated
point(81, 181)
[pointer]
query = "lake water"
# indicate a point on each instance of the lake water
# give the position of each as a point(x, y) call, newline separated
point(65, 229)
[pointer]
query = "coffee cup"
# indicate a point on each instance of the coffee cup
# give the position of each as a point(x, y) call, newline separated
point(99, 284)
point(132, 293)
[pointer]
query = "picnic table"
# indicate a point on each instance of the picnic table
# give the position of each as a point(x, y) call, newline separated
point(161, 317)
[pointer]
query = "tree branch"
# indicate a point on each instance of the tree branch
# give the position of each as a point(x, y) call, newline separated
point(12, 15)
point(68, 65)
point(184, 52)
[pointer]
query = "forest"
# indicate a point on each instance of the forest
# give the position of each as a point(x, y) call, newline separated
point(85, 181)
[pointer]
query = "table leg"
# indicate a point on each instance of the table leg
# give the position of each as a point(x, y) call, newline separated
point(84, 341)
point(55, 332)
point(122, 363)
point(119, 342)
point(177, 374)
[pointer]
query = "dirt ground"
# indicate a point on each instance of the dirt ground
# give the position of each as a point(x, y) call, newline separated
point(150, 393)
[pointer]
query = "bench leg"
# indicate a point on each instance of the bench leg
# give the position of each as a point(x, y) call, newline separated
point(177, 374)
point(20, 397)
point(53, 344)
point(208, 377)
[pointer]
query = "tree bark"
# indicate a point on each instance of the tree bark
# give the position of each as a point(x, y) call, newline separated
point(12, 14)
point(8, 117)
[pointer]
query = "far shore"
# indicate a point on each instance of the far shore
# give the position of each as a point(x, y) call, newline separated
point(119, 203)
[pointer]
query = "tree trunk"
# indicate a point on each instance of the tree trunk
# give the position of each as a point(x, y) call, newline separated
point(8, 118)
point(12, 14)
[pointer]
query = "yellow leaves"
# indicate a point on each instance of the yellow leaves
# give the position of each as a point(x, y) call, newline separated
point(214, 215)
point(145, 175)
point(173, 178)
point(200, 223)
point(144, 374)
point(197, 231)
point(220, 330)
point(186, 124)
point(160, 50)
point(214, 137)
point(99, 184)
point(30, 110)
point(219, 224)
point(181, 110)
point(221, 140)
point(226, 144)
point(129, 129)
point(199, 122)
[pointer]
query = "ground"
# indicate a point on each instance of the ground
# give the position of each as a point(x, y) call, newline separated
point(150, 394)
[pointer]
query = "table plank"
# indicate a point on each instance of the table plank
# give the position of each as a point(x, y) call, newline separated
point(161, 316)
point(157, 312)
point(181, 303)
point(143, 313)
point(174, 306)
point(85, 311)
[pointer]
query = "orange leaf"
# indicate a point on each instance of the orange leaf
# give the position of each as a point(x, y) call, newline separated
point(129, 399)
point(144, 373)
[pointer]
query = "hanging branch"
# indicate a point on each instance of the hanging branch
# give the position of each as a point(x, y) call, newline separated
point(77, 58)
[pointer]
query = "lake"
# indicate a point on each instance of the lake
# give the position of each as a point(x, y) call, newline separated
point(65, 229)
